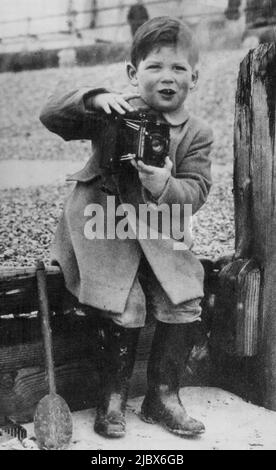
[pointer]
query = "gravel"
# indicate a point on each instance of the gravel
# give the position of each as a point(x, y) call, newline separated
point(28, 217)
point(28, 221)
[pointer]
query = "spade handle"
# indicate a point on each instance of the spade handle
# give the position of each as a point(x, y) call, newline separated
point(45, 323)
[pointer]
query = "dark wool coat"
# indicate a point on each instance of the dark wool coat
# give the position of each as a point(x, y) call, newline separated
point(101, 272)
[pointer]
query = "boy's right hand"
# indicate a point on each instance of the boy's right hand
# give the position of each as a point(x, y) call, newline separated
point(114, 101)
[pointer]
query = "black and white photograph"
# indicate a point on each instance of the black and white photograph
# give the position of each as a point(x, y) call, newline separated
point(137, 227)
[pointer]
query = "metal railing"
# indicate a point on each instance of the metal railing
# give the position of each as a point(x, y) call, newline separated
point(123, 6)
point(76, 13)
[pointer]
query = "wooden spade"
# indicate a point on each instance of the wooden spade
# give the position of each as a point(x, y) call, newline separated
point(52, 421)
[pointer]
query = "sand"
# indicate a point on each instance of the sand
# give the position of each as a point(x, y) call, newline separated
point(231, 424)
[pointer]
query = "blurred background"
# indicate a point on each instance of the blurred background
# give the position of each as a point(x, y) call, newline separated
point(40, 23)
point(35, 24)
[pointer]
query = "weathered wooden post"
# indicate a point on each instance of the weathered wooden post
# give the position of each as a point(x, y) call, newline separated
point(255, 194)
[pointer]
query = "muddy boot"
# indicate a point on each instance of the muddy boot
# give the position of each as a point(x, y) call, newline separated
point(116, 357)
point(171, 347)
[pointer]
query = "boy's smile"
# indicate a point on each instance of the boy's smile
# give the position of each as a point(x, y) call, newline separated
point(164, 78)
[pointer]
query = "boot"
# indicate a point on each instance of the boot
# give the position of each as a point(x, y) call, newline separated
point(171, 347)
point(116, 357)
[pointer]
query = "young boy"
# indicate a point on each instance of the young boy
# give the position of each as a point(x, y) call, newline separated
point(118, 277)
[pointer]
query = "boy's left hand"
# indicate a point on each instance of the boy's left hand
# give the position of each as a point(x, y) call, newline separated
point(153, 178)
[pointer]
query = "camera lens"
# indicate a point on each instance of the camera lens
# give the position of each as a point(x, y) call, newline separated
point(157, 144)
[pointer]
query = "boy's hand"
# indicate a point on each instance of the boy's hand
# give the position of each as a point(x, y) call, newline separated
point(153, 178)
point(115, 101)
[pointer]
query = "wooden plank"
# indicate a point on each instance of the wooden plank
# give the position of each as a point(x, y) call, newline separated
point(21, 343)
point(18, 289)
point(77, 382)
point(73, 338)
point(247, 310)
point(235, 328)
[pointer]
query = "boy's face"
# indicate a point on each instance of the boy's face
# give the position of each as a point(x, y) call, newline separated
point(164, 78)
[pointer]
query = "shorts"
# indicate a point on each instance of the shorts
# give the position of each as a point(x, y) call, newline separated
point(147, 299)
